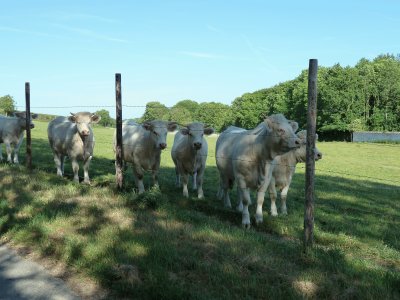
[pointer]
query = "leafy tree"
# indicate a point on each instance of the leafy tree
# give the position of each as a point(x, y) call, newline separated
point(180, 115)
point(213, 114)
point(106, 120)
point(7, 104)
point(155, 111)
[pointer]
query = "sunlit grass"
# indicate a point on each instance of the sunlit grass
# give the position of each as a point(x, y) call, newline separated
point(190, 248)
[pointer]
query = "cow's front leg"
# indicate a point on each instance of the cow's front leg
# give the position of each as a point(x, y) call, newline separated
point(8, 150)
point(199, 180)
point(62, 159)
point(86, 178)
point(283, 199)
point(185, 179)
point(75, 169)
point(155, 177)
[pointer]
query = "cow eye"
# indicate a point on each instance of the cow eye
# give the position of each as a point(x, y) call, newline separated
point(281, 131)
point(155, 133)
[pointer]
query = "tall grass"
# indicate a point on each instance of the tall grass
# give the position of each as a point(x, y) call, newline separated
point(161, 245)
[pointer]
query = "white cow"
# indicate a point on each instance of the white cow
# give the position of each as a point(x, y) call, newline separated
point(246, 156)
point(73, 137)
point(142, 145)
point(12, 134)
point(284, 167)
point(189, 154)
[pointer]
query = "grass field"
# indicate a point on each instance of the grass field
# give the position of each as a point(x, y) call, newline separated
point(160, 245)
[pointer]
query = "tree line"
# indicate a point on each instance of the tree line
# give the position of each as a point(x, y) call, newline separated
point(363, 97)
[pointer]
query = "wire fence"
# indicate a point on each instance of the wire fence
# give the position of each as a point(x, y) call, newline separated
point(259, 132)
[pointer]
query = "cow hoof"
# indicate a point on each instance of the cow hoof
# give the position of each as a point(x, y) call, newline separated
point(246, 226)
point(284, 213)
point(274, 214)
point(87, 182)
point(239, 208)
point(259, 219)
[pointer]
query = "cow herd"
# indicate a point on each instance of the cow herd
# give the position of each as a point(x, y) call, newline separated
point(261, 159)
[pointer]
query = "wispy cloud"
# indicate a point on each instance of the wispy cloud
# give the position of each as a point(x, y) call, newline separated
point(213, 29)
point(202, 55)
point(18, 30)
point(91, 34)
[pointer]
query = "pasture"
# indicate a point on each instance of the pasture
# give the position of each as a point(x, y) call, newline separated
point(160, 245)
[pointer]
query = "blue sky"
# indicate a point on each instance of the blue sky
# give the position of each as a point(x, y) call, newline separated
point(168, 51)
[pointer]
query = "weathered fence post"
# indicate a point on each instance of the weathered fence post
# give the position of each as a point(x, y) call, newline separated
point(28, 126)
point(118, 147)
point(310, 152)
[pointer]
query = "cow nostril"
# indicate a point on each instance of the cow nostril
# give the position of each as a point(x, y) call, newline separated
point(319, 155)
point(297, 142)
point(163, 145)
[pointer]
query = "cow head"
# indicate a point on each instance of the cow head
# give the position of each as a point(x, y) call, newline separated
point(195, 132)
point(158, 131)
point(301, 152)
point(282, 134)
point(21, 115)
point(83, 121)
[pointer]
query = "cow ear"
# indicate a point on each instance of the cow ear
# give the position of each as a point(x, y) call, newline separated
point(172, 126)
point(147, 126)
point(294, 125)
point(184, 131)
point(34, 116)
point(20, 114)
point(269, 123)
point(72, 118)
point(208, 131)
point(95, 119)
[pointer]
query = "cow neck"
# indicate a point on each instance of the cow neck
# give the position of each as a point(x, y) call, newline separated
point(192, 157)
point(262, 141)
point(298, 156)
point(148, 142)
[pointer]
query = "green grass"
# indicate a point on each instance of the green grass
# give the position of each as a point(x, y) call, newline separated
point(195, 249)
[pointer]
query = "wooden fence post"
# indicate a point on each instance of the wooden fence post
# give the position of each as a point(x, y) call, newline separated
point(310, 158)
point(118, 147)
point(28, 126)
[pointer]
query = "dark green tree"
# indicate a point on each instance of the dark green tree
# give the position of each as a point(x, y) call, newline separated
point(155, 111)
point(106, 120)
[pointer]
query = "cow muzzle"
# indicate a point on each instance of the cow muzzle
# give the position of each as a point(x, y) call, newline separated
point(318, 156)
point(32, 126)
point(162, 146)
point(197, 146)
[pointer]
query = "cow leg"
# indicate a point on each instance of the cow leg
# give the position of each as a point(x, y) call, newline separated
point(224, 186)
point(8, 150)
point(86, 178)
point(16, 149)
point(260, 201)
point(138, 174)
point(194, 185)
point(261, 191)
point(177, 177)
point(155, 169)
point(75, 169)
point(245, 212)
point(185, 179)
point(273, 195)
point(239, 207)
point(283, 199)
point(199, 180)
point(62, 159)
point(1, 152)
point(57, 161)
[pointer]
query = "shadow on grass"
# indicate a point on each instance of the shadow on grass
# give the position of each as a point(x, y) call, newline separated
point(188, 248)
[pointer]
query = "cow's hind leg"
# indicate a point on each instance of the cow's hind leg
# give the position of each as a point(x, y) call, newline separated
point(185, 179)
point(283, 199)
point(273, 196)
point(9, 151)
point(16, 149)
point(57, 161)
point(246, 202)
point(86, 178)
point(75, 168)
